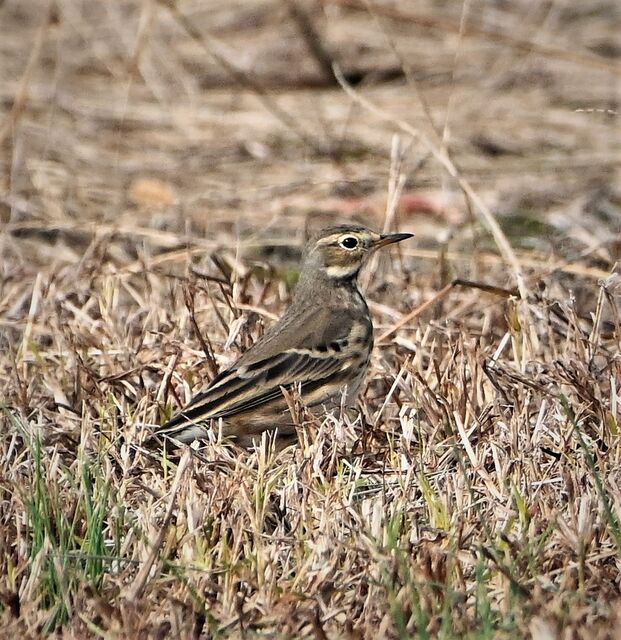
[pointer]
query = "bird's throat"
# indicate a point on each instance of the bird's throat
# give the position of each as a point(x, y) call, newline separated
point(342, 272)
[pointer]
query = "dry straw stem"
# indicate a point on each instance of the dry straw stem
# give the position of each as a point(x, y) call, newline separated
point(136, 591)
point(441, 156)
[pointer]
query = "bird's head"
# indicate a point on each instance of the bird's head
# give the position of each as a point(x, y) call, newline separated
point(340, 252)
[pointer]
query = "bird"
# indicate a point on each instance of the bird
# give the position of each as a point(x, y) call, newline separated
point(321, 347)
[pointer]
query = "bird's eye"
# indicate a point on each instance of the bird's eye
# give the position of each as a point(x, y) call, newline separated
point(349, 242)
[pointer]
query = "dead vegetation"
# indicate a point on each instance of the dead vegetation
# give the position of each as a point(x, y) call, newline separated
point(160, 167)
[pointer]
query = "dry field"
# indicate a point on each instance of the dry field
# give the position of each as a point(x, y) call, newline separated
point(161, 165)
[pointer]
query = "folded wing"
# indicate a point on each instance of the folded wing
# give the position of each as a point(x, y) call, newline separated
point(321, 367)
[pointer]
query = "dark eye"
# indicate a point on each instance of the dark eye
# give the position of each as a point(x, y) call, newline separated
point(349, 242)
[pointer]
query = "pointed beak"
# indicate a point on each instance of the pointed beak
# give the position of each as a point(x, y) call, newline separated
point(391, 238)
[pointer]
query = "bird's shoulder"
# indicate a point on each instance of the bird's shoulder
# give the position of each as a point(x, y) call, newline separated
point(314, 329)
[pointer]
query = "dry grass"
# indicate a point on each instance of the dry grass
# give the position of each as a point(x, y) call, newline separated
point(145, 193)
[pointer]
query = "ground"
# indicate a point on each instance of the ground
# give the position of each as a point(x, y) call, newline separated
point(161, 166)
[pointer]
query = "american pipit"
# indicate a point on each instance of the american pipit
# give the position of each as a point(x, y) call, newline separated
point(321, 346)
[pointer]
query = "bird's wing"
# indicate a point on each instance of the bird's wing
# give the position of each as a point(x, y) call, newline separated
point(318, 361)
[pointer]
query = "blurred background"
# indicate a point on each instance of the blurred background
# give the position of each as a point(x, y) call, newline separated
point(197, 123)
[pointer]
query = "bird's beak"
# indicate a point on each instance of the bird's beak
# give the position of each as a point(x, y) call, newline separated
point(391, 238)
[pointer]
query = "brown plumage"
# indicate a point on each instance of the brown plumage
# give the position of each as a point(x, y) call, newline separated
point(321, 346)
